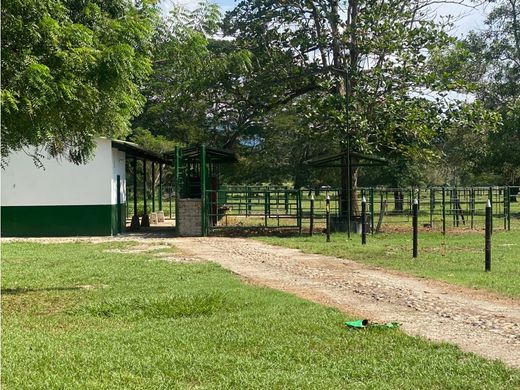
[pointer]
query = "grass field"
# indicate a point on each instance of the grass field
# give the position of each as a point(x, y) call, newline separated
point(78, 317)
point(454, 258)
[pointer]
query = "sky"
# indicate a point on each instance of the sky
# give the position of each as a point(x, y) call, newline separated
point(467, 19)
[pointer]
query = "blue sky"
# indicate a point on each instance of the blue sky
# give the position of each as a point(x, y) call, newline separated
point(469, 20)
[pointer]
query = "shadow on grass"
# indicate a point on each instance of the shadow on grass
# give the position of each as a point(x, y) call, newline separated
point(22, 290)
point(256, 231)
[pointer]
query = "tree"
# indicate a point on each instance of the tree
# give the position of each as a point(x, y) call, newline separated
point(195, 92)
point(71, 71)
point(496, 56)
point(366, 64)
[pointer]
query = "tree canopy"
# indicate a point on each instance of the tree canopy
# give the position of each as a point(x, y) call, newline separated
point(71, 71)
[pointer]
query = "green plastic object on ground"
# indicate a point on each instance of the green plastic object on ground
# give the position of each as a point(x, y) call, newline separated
point(361, 324)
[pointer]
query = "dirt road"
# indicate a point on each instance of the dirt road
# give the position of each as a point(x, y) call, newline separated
point(485, 324)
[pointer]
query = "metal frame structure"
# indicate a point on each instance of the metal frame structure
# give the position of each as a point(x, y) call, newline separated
point(344, 159)
point(136, 152)
point(197, 175)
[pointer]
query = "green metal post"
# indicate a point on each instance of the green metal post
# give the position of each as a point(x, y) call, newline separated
point(203, 179)
point(119, 210)
point(145, 220)
point(177, 189)
point(508, 208)
point(286, 201)
point(472, 206)
point(490, 197)
point(504, 208)
point(266, 207)
point(134, 162)
point(452, 207)
point(443, 211)
point(372, 211)
point(160, 187)
point(145, 209)
point(153, 187)
point(432, 206)
point(248, 200)
point(135, 224)
point(299, 212)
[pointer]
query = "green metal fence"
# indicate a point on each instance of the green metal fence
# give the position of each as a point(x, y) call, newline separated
point(250, 207)
point(445, 209)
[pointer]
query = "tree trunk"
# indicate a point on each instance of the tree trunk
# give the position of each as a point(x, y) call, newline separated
point(344, 198)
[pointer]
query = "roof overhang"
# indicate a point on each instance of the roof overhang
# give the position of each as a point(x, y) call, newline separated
point(340, 160)
point(213, 155)
point(134, 150)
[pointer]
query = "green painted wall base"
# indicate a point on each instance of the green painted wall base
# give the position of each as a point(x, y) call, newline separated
point(50, 221)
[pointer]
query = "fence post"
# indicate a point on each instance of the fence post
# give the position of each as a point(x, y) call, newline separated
point(415, 212)
point(490, 197)
point(504, 192)
point(327, 213)
point(472, 205)
point(489, 228)
point(248, 201)
point(363, 221)
point(443, 210)
point(203, 178)
point(153, 186)
point(299, 211)
point(508, 208)
point(145, 220)
point(266, 207)
point(432, 206)
point(177, 188)
point(371, 210)
point(311, 221)
point(160, 186)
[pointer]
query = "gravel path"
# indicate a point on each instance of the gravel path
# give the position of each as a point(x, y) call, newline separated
point(486, 324)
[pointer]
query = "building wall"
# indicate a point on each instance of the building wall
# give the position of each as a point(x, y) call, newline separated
point(63, 199)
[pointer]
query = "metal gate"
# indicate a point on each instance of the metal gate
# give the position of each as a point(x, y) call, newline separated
point(254, 207)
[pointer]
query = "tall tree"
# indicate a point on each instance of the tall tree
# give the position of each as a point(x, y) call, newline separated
point(71, 71)
point(195, 93)
point(367, 64)
point(495, 66)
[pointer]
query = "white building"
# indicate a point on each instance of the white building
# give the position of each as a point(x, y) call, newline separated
point(64, 199)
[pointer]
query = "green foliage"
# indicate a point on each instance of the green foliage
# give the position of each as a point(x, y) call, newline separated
point(495, 53)
point(194, 92)
point(71, 71)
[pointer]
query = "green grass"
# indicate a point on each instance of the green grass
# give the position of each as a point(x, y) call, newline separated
point(454, 258)
point(78, 317)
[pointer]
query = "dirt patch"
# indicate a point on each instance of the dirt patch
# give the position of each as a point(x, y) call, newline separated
point(486, 324)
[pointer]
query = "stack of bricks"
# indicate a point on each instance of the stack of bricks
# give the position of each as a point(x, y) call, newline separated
point(190, 217)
